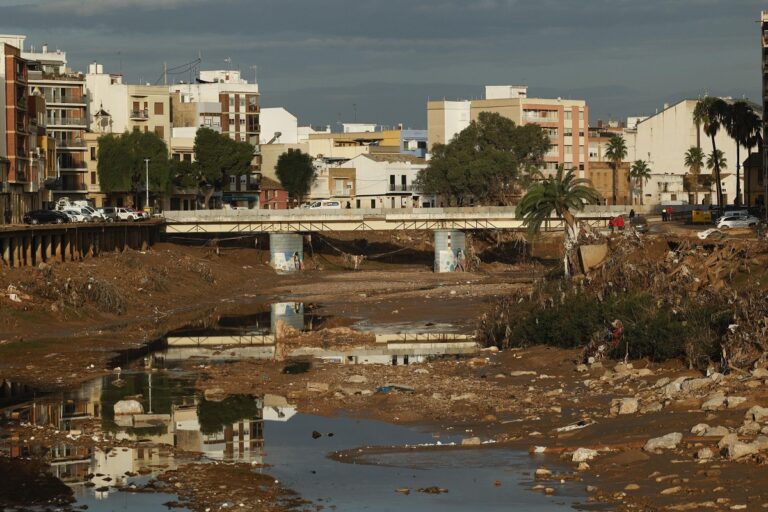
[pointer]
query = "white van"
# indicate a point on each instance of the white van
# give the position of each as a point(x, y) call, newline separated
point(329, 204)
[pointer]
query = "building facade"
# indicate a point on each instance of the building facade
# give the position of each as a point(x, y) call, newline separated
point(566, 122)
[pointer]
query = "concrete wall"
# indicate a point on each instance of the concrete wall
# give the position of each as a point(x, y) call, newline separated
point(280, 120)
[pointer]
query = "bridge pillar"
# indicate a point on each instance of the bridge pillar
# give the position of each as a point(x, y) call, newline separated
point(286, 252)
point(450, 251)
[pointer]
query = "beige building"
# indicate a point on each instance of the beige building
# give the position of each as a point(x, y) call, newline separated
point(565, 121)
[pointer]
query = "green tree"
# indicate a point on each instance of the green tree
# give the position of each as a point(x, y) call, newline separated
point(616, 152)
point(490, 161)
point(717, 158)
point(743, 126)
point(218, 156)
point(296, 173)
point(694, 161)
point(640, 173)
point(710, 113)
point(562, 194)
point(121, 167)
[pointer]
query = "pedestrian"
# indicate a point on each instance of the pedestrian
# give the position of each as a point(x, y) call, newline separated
point(664, 214)
point(631, 214)
point(611, 224)
point(669, 214)
point(620, 222)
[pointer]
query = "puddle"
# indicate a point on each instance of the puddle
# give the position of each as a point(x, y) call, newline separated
point(264, 430)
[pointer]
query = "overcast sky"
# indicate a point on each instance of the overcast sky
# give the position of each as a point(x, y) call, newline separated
point(325, 59)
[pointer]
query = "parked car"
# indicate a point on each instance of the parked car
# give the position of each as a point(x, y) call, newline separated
point(109, 213)
point(122, 213)
point(96, 215)
point(737, 221)
point(331, 204)
point(78, 214)
point(639, 223)
point(137, 214)
point(45, 217)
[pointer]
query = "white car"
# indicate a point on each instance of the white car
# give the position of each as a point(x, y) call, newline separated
point(326, 205)
point(78, 214)
point(125, 214)
point(96, 215)
point(737, 221)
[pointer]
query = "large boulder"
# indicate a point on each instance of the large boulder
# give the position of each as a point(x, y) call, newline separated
point(124, 407)
point(667, 442)
point(757, 413)
point(624, 406)
point(584, 455)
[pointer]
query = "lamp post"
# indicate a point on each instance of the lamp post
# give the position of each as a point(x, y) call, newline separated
point(146, 166)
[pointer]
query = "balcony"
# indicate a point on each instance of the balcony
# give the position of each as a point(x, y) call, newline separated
point(73, 185)
point(70, 144)
point(50, 99)
point(141, 115)
point(67, 121)
point(395, 187)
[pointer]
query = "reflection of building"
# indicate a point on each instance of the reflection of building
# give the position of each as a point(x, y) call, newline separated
point(287, 314)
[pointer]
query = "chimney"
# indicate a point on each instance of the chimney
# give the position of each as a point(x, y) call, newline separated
point(45, 47)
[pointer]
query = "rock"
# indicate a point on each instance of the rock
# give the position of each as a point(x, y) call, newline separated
point(584, 455)
point(421, 371)
point(317, 386)
point(357, 379)
point(631, 487)
point(699, 429)
point(705, 454)
point(717, 432)
point(583, 466)
point(739, 450)
point(694, 384)
point(757, 413)
point(662, 382)
point(671, 490)
point(727, 440)
point(123, 407)
point(734, 401)
point(521, 373)
point(471, 441)
point(624, 406)
point(316, 434)
point(591, 488)
point(644, 372)
point(581, 368)
point(667, 442)
point(477, 361)
point(464, 396)
point(760, 373)
point(749, 428)
point(713, 402)
point(652, 407)
point(543, 473)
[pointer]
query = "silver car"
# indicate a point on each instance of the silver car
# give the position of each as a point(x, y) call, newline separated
point(737, 221)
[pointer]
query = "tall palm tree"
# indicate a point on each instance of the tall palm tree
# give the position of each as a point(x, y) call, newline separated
point(640, 172)
point(743, 125)
point(562, 194)
point(710, 113)
point(717, 158)
point(616, 152)
point(694, 161)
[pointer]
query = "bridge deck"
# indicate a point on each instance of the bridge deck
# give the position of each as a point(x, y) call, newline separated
point(307, 221)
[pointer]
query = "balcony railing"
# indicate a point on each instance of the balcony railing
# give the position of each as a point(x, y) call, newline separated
point(67, 121)
point(140, 114)
point(399, 187)
point(64, 143)
point(78, 100)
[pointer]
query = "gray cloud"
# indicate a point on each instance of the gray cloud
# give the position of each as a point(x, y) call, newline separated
point(319, 57)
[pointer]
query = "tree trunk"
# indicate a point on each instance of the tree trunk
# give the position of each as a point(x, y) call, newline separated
point(738, 181)
point(615, 175)
point(641, 192)
point(719, 185)
point(570, 240)
point(747, 187)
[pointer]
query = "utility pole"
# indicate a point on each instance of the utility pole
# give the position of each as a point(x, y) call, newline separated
point(146, 166)
point(165, 73)
point(255, 76)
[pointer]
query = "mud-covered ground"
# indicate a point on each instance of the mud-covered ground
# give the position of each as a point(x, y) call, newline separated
point(538, 398)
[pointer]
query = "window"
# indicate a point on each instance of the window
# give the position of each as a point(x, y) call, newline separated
point(93, 154)
point(568, 114)
point(158, 109)
point(176, 157)
point(160, 131)
point(568, 149)
point(231, 101)
point(93, 178)
point(187, 157)
point(242, 102)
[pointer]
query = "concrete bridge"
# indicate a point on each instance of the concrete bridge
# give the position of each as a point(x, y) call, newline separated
point(285, 227)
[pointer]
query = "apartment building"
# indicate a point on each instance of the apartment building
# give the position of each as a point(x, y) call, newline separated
point(565, 121)
point(66, 116)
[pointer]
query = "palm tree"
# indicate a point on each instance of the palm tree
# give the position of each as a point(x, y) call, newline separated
point(710, 113)
point(640, 172)
point(717, 158)
point(694, 161)
point(561, 193)
point(743, 125)
point(616, 152)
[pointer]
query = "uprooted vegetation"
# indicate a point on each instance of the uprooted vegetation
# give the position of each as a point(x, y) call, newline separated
point(676, 299)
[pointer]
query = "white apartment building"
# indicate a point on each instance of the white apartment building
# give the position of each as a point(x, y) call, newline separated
point(278, 126)
point(663, 138)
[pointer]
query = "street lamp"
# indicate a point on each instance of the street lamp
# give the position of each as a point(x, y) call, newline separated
point(146, 166)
